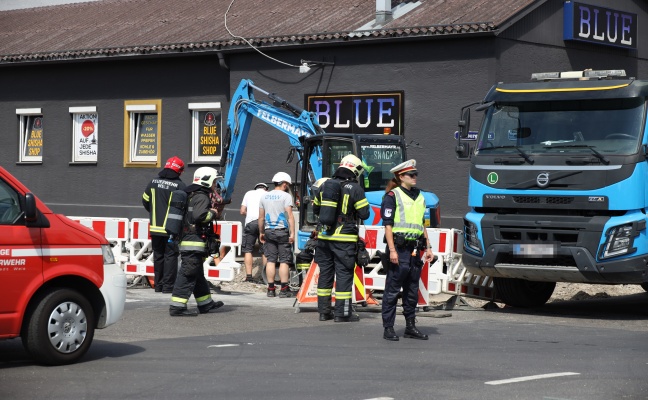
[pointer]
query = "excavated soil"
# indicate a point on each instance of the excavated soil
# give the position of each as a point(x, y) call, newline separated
point(563, 291)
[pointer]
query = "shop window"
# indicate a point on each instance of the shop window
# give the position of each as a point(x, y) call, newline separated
point(207, 132)
point(85, 134)
point(142, 132)
point(31, 135)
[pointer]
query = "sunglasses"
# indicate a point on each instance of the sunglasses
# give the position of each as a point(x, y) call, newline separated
point(411, 174)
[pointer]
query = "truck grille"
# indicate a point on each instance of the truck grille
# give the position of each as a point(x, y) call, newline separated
point(543, 199)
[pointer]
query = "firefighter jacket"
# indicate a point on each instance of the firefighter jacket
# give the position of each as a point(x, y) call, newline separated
point(351, 207)
point(157, 198)
point(198, 226)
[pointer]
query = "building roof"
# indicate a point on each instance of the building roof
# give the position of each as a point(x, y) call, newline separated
point(109, 28)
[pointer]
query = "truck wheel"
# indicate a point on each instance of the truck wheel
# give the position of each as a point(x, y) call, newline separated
point(60, 329)
point(523, 293)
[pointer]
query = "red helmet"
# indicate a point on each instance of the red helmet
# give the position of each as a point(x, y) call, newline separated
point(175, 164)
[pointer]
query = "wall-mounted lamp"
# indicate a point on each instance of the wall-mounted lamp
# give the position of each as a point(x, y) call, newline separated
point(305, 65)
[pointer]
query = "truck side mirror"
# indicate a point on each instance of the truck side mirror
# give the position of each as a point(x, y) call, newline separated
point(464, 123)
point(30, 207)
point(463, 151)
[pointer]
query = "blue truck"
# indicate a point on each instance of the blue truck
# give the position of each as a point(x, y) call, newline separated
point(558, 184)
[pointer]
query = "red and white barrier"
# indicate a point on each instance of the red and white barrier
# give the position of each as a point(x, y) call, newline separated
point(115, 230)
point(139, 246)
point(445, 275)
point(231, 234)
point(224, 271)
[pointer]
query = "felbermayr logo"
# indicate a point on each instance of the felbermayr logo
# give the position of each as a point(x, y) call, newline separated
point(281, 123)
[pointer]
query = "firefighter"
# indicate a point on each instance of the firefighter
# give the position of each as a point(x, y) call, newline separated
point(157, 201)
point(402, 212)
point(337, 244)
point(198, 241)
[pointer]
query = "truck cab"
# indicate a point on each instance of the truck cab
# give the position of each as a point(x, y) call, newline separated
point(58, 279)
point(557, 187)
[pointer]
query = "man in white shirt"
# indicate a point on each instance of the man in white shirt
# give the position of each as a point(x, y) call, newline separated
point(250, 208)
point(277, 232)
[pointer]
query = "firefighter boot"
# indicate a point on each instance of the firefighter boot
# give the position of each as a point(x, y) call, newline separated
point(175, 311)
point(390, 334)
point(412, 332)
point(326, 316)
point(210, 307)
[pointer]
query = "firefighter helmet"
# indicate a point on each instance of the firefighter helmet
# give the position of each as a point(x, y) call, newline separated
point(205, 176)
point(353, 164)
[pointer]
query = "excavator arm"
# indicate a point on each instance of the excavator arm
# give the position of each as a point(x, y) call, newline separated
point(293, 121)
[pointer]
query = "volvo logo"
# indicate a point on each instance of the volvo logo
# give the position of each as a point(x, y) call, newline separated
point(543, 179)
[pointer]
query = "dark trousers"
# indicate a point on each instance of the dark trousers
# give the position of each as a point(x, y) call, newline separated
point(191, 280)
point(336, 261)
point(405, 275)
point(165, 262)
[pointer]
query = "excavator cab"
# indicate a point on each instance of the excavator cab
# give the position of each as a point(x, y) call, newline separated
point(322, 155)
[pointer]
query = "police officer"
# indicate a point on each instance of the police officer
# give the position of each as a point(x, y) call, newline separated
point(402, 212)
point(336, 245)
point(198, 241)
point(157, 200)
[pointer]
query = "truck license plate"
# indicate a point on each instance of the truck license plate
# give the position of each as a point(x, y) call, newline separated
point(535, 249)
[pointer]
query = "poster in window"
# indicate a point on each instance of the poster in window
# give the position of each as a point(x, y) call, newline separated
point(33, 145)
point(209, 134)
point(146, 135)
point(86, 137)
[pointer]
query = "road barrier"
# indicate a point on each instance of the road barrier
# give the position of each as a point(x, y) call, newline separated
point(133, 251)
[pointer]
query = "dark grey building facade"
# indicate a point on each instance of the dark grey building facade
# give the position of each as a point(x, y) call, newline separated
point(437, 72)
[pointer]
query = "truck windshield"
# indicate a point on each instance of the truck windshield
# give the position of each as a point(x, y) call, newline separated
point(608, 126)
point(378, 160)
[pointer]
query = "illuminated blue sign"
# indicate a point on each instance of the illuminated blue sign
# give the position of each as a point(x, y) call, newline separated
point(593, 24)
point(379, 113)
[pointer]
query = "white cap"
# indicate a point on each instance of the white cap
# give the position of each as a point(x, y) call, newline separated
point(409, 165)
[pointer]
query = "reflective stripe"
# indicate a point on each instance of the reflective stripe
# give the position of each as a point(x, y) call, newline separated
point(202, 300)
point(188, 246)
point(345, 203)
point(327, 203)
point(342, 295)
point(408, 210)
point(159, 229)
point(179, 301)
point(324, 292)
point(145, 196)
point(361, 203)
point(339, 237)
point(56, 252)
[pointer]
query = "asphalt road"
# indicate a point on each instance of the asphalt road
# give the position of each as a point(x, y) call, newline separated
point(259, 348)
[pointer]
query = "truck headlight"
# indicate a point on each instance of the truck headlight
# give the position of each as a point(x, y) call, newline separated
point(108, 256)
point(471, 240)
point(619, 241)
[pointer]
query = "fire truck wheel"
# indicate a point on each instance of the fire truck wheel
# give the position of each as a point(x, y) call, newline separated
point(523, 293)
point(60, 329)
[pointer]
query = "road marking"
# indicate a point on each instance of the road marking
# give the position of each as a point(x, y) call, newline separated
point(132, 301)
point(224, 345)
point(531, 378)
point(381, 398)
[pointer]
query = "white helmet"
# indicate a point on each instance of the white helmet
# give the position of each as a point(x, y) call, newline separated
point(205, 176)
point(281, 177)
point(353, 164)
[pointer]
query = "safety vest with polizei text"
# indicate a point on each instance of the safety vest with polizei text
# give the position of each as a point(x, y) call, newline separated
point(408, 217)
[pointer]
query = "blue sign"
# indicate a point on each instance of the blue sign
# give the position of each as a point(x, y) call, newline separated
point(472, 135)
point(594, 24)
